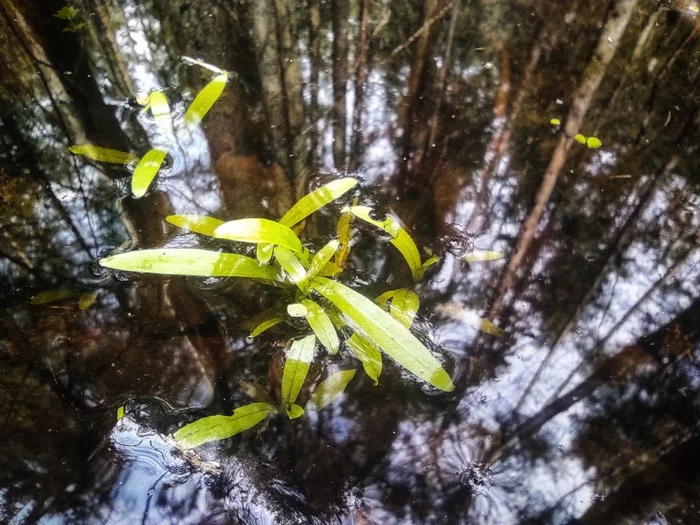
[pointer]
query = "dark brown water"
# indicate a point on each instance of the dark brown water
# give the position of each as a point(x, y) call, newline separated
point(585, 411)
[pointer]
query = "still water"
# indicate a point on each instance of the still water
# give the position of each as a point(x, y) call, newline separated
point(563, 135)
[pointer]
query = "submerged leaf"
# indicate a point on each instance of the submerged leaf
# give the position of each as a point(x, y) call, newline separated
point(266, 325)
point(87, 300)
point(205, 65)
point(321, 259)
point(317, 199)
point(344, 235)
point(581, 139)
point(111, 156)
point(259, 231)
point(369, 355)
point(427, 264)
point(205, 99)
point(384, 331)
point(459, 313)
point(404, 306)
point(195, 223)
point(294, 411)
point(330, 389)
point(293, 266)
point(330, 270)
point(297, 310)
point(190, 261)
point(593, 142)
point(53, 296)
point(214, 428)
point(146, 171)
point(321, 325)
point(263, 321)
point(482, 255)
point(296, 366)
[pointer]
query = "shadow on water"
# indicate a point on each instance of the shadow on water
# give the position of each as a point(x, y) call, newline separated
point(460, 118)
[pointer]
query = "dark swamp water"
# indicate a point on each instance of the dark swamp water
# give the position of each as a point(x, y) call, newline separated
point(584, 411)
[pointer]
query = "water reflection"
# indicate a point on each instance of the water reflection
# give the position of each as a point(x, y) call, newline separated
point(585, 411)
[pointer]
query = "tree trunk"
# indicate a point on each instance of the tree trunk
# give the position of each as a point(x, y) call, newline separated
point(361, 60)
point(340, 12)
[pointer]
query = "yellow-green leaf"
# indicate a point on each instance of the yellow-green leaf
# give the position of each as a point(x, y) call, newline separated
point(330, 389)
point(386, 332)
point(482, 255)
point(195, 223)
point(321, 325)
point(317, 199)
point(53, 296)
point(293, 267)
point(263, 252)
point(581, 139)
point(294, 411)
point(120, 413)
point(190, 261)
point(296, 366)
point(259, 231)
point(321, 259)
point(87, 300)
point(427, 264)
point(593, 142)
point(400, 237)
point(214, 428)
point(146, 170)
point(369, 355)
point(205, 99)
point(158, 104)
point(205, 65)
point(297, 310)
point(111, 156)
point(383, 298)
point(330, 270)
point(263, 321)
point(555, 122)
point(344, 235)
point(404, 306)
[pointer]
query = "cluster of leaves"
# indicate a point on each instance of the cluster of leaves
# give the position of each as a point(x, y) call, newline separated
point(70, 14)
point(591, 142)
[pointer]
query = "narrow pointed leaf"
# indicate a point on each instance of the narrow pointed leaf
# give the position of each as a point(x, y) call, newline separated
point(344, 233)
point(369, 355)
point(482, 255)
point(317, 199)
point(205, 99)
point(404, 306)
point(146, 171)
point(386, 332)
point(190, 261)
point(265, 325)
point(427, 264)
point(294, 411)
point(214, 428)
point(158, 104)
point(321, 325)
point(87, 300)
point(330, 389)
point(263, 321)
point(53, 296)
point(459, 313)
point(205, 65)
point(384, 298)
point(263, 252)
point(299, 357)
point(120, 413)
point(401, 240)
point(195, 223)
point(321, 259)
point(297, 310)
point(259, 231)
point(111, 156)
point(293, 266)
point(330, 270)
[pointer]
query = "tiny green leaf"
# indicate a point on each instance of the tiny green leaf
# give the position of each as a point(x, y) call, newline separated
point(53, 296)
point(205, 99)
point(299, 357)
point(190, 261)
point(330, 389)
point(404, 306)
point(321, 259)
point(317, 199)
point(555, 122)
point(195, 223)
point(263, 252)
point(321, 325)
point(482, 255)
point(120, 413)
point(67, 12)
point(369, 355)
point(146, 170)
point(593, 142)
point(214, 428)
point(293, 266)
point(581, 139)
point(259, 231)
point(87, 300)
point(297, 310)
point(294, 411)
point(384, 331)
point(111, 156)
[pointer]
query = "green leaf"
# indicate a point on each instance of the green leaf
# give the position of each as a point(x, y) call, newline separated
point(317, 199)
point(297, 310)
point(482, 255)
point(581, 139)
point(146, 171)
point(265, 325)
point(344, 235)
point(555, 122)
point(386, 332)
point(263, 321)
point(190, 261)
point(120, 413)
point(53, 296)
point(214, 428)
point(321, 325)
point(259, 231)
point(294, 268)
point(400, 237)
point(67, 12)
point(294, 411)
point(369, 355)
point(263, 252)
point(111, 156)
point(87, 300)
point(299, 357)
point(427, 264)
point(593, 142)
point(322, 258)
point(404, 306)
point(195, 223)
point(331, 270)
point(384, 298)
point(205, 99)
point(158, 104)
point(330, 389)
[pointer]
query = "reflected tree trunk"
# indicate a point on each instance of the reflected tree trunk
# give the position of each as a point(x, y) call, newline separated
point(314, 22)
point(340, 13)
point(360, 69)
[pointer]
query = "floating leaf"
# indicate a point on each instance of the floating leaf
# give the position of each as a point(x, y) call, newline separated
point(384, 331)
point(294, 411)
point(404, 306)
point(157, 102)
point(296, 366)
point(321, 325)
point(214, 428)
point(457, 312)
point(87, 300)
point(293, 266)
point(195, 223)
point(205, 99)
point(120, 413)
point(344, 236)
point(369, 355)
point(197, 62)
point(111, 156)
point(190, 261)
point(593, 142)
point(263, 252)
point(146, 171)
point(321, 259)
point(330, 389)
point(555, 122)
point(317, 199)
point(482, 255)
point(581, 139)
point(53, 296)
point(259, 231)
point(297, 310)
point(400, 237)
